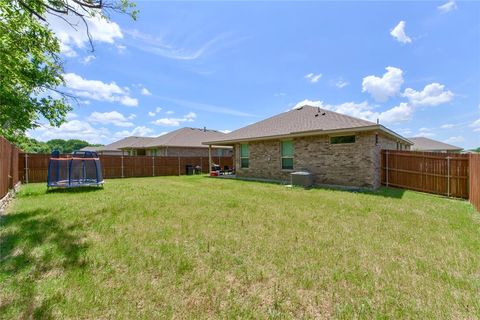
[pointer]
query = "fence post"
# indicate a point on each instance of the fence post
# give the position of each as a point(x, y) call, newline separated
point(386, 167)
point(448, 176)
point(179, 165)
point(26, 167)
point(153, 166)
point(122, 166)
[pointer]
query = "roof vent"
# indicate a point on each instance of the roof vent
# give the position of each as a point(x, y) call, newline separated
point(204, 129)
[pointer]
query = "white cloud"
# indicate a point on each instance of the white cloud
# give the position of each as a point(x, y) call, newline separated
point(359, 110)
point(386, 86)
point(399, 33)
point(306, 102)
point(425, 132)
point(140, 131)
point(98, 90)
point(400, 113)
point(74, 129)
point(447, 7)
point(175, 122)
point(131, 116)
point(121, 48)
point(476, 125)
point(454, 139)
point(185, 50)
point(129, 101)
point(432, 95)
point(363, 110)
point(153, 113)
point(169, 112)
point(113, 117)
point(341, 84)
point(313, 78)
point(88, 59)
point(75, 36)
point(225, 131)
point(447, 126)
point(71, 116)
point(145, 92)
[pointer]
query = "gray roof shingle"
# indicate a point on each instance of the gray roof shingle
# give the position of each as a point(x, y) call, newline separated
point(184, 137)
point(426, 144)
point(300, 120)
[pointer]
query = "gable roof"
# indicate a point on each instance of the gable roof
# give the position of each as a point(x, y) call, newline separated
point(302, 121)
point(184, 137)
point(128, 143)
point(426, 144)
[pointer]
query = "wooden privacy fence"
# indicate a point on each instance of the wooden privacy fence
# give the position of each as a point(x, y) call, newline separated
point(475, 180)
point(440, 173)
point(8, 166)
point(34, 167)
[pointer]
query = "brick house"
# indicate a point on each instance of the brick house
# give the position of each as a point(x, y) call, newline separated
point(338, 149)
point(184, 142)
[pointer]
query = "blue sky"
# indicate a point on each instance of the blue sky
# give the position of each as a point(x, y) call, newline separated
point(223, 65)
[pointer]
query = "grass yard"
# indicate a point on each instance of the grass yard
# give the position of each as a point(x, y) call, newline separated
point(194, 247)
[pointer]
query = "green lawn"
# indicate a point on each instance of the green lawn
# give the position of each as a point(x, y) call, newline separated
point(194, 247)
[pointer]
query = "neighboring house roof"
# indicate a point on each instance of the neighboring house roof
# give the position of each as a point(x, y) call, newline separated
point(302, 121)
point(128, 143)
point(184, 137)
point(91, 148)
point(426, 144)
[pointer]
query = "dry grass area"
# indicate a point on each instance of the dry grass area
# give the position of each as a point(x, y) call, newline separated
point(194, 247)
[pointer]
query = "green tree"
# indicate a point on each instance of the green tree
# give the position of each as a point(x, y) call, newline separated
point(31, 145)
point(30, 64)
point(75, 144)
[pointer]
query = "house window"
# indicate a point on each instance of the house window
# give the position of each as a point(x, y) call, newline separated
point(244, 155)
point(287, 154)
point(342, 139)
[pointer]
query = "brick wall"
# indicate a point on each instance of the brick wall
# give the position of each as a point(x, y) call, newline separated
point(357, 164)
point(189, 152)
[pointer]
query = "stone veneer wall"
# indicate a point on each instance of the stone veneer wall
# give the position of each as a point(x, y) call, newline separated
point(357, 164)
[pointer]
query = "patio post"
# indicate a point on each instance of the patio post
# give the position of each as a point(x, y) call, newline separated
point(209, 158)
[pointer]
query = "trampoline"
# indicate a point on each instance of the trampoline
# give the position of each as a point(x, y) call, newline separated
point(81, 169)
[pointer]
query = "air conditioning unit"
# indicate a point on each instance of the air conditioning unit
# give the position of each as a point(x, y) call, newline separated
point(302, 178)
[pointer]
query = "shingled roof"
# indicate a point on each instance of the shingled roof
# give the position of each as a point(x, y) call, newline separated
point(184, 137)
point(128, 143)
point(426, 144)
point(301, 121)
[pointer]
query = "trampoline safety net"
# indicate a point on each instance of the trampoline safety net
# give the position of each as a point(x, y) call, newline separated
point(82, 169)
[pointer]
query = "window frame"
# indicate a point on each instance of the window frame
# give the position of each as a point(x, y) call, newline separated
point(242, 157)
point(342, 136)
point(282, 156)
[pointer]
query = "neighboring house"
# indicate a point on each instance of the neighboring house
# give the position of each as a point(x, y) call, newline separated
point(184, 142)
point(430, 145)
point(101, 151)
point(336, 148)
